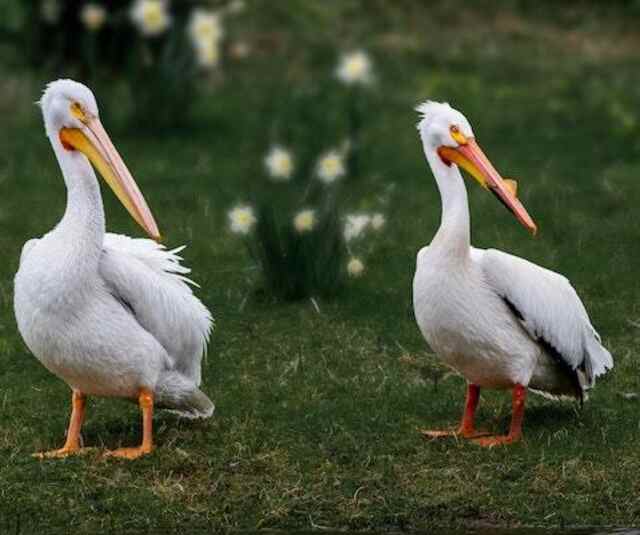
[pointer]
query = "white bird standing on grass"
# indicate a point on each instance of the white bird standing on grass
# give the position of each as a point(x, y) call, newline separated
point(110, 315)
point(499, 320)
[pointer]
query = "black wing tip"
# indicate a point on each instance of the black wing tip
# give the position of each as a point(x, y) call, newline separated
point(560, 361)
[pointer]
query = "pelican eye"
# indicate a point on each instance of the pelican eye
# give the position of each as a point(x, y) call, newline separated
point(78, 112)
point(458, 136)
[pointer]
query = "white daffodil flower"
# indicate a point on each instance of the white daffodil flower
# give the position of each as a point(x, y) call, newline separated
point(242, 219)
point(331, 167)
point(304, 221)
point(355, 267)
point(355, 225)
point(279, 164)
point(355, 68)
point(204, 26)
point(151, 17)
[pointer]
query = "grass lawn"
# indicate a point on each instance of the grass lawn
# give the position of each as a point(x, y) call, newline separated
point(317, 413)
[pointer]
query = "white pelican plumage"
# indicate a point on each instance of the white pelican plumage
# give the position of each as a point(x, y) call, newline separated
point(499, 320)
point(110, 315)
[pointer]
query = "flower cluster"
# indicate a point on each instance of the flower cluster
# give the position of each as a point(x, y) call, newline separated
point(177, 45)
point(356, 224)
point(297, 235)
point(154, 19)
point(355, 227)
point(280, 167)
point(329, 168)
point(279, 164)
point(205, 31)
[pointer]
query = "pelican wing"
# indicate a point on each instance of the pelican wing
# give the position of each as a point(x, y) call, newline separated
point(151, 284)
point(550, 310)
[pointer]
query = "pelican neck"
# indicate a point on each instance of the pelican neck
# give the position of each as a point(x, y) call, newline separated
point(454, 234)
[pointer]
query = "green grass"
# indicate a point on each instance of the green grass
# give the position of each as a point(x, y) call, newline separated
point(317, 413)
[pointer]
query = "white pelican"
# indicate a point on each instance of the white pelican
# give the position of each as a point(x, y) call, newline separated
point(499, 320)
point(110, 315)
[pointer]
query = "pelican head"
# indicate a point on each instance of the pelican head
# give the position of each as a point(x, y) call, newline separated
point(71, 119)
point(447, 133)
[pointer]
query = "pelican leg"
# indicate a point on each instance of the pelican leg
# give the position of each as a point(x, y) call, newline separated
point(72, 443)
point(519, 398)
point(145, 401)
point(467, 426)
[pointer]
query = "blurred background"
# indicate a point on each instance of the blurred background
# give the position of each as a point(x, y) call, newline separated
point(277, 140)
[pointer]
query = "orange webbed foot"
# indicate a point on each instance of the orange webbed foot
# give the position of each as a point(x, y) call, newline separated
point(129, 453)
